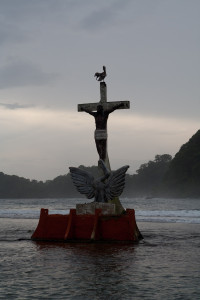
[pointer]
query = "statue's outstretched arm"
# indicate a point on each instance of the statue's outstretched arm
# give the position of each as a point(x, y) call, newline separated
point(115, 107)
point(88, 111)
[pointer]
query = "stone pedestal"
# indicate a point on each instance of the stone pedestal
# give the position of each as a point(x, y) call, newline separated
point(90, 208)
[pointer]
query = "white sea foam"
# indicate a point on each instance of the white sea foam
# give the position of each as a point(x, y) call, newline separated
point(169, 216)
point(26, 213)
point(148, 210)
point(177, 216)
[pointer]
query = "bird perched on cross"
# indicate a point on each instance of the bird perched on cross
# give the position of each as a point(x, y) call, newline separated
point(102, 75)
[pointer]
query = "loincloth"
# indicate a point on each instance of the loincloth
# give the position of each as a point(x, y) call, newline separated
point(100, 134)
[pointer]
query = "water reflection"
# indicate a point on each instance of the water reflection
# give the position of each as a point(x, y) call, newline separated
point(165, 265)
point(100, 269)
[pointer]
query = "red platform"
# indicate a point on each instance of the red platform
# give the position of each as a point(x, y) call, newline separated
point(87, 227)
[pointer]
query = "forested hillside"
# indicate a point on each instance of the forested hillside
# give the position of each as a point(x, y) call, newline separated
point(19, 187)
point(162, 177)
point(183, 177)
point(144, 183)
point(147, 181)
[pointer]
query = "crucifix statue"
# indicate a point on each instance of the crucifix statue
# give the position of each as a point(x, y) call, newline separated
point(100, 111)
point(100, 134)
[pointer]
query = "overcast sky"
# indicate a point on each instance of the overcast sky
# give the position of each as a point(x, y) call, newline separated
point(49, 52)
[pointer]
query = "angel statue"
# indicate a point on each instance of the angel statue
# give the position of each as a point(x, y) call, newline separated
point(102, 189)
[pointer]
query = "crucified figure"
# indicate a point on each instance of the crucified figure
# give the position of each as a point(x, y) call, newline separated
point(100, 134)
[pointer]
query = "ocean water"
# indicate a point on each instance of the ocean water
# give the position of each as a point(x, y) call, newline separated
point(165, 265)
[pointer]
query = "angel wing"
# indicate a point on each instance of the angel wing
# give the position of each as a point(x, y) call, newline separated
point(83, 181)
point(115, 184)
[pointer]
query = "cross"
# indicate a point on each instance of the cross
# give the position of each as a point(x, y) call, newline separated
point(103, 101)
point(101, 127)
point(103, 109)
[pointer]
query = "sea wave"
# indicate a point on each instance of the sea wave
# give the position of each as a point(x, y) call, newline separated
point(167, 216)
point(26, 213)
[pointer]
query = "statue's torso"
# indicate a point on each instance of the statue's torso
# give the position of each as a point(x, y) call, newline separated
point(101, 119)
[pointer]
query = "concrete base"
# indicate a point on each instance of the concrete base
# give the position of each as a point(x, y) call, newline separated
point(87, 227)
point(90, 208)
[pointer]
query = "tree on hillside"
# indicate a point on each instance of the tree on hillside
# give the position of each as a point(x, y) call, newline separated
point(149, 176)
point(183, 176)
point(12, 186)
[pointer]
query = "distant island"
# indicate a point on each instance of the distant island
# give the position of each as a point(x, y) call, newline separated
point(163, 177)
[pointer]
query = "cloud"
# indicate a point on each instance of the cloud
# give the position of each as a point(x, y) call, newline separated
point(22, 73)
point(9, 33)
point(117, 14)
point(104, 16)
point(18, 21)
point(12, 29)
point(14, 106)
